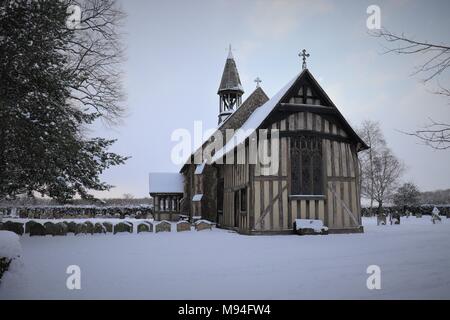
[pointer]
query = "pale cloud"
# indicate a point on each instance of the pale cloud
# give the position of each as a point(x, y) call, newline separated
point(275, 19)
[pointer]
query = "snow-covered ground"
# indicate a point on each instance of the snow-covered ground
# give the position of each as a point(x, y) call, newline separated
point(414, 258)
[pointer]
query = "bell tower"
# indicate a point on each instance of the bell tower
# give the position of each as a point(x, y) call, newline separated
point(230, 90)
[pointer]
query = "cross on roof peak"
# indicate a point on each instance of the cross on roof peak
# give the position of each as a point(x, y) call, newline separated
point(258, 82)
point(304, 55)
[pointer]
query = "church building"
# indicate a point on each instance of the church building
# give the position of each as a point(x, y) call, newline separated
point(316, 176)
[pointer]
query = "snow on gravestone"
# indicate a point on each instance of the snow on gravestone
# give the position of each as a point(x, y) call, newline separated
point(203, 225)
point(163, 226)
point(183, 226)
point(9, 249)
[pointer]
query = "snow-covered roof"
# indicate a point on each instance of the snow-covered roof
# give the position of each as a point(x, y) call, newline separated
point(254, 121)
point(165, 182)
point(199, 168)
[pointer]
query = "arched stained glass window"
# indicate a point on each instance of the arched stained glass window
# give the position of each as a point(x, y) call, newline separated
point(306, 166)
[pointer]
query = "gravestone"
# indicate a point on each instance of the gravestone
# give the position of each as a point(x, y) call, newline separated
point(108, 226)
point(203, 225)
point(89, 227)
point(145, 226)
point(123, 227)
point(37, 229)
point(80, 229)
point(71, 226)
point(99, 228)
point(28, 225)
point(183, 226)
point(163, 226)
point(15, 227)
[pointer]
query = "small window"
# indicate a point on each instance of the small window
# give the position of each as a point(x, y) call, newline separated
point(244, 200)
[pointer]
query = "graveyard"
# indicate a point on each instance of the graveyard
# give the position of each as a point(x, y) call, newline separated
point(219, 264)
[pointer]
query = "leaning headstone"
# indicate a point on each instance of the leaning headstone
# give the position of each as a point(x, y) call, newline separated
point(123, 227)
point(145, 227)
point(163, 226)
point(99, 228)
point(37, 229)
point(203, 225)
point(108, 226)
point(183, 226)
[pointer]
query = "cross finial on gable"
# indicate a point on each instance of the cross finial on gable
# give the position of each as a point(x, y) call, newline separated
point(258, 82)
point(304, 55)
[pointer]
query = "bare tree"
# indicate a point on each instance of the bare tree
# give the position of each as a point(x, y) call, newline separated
point(436, 63)
point(95, 56)
point(387, 172)
point(370, 132)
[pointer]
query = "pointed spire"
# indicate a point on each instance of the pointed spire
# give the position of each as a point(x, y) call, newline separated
point(230, 77)
point(230, 53)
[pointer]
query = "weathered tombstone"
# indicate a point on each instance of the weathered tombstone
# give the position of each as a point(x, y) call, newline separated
point(435, 215)
point(183, 226)
point(163, 226)
point(28, 225)
point(37, 229)
point(203, 225)
point(50, 228)
point(395, 218)
point(108, 226)
point(56, 229)
point(80, 229)
point(15, 227)
point(123, 227)
point(99, 228)
point(145, 227)
point(381, 219)
point(71, 227)
point(61, 229)
point(89, 227)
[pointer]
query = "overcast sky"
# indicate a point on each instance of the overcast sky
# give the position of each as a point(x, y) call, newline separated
point(177, 49)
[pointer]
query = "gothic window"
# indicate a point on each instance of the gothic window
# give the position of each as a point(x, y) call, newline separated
point(306, 166)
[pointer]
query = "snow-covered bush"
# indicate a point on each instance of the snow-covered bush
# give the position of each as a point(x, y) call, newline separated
point(9, 249)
